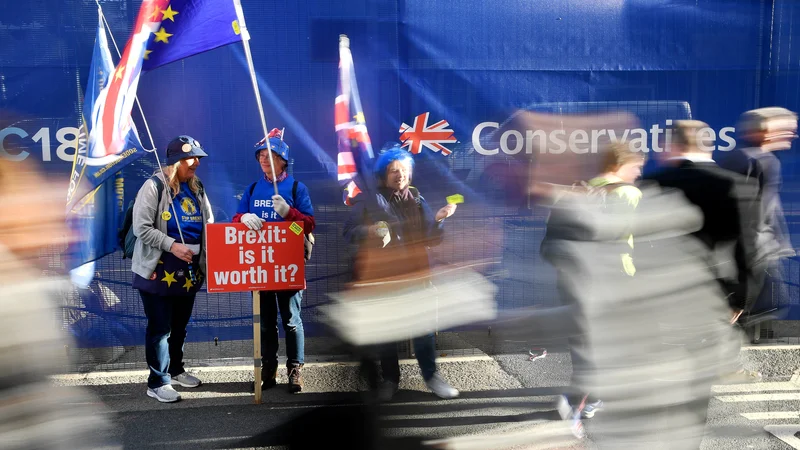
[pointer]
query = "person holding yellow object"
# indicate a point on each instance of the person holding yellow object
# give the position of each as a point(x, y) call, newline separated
point(621, 167)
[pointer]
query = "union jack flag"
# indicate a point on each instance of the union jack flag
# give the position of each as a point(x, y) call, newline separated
point(355, 148)
point(421, 135)
point(111, 115)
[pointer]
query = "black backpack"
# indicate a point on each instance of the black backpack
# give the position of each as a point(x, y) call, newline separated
point(125, 236)
point(309, 240)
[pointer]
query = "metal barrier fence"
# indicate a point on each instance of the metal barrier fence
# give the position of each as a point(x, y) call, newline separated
point(107, 320)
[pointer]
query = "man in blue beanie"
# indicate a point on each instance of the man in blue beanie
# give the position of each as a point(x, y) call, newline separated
point(292, 203)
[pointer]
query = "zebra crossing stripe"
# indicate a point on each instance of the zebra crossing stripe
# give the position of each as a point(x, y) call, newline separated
point(786, 433)
point(758, 397)
point(754, 387)
point(771, 415)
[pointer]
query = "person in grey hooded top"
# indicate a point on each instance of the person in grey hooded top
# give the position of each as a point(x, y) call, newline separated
point(169, 262)
point(653, 343)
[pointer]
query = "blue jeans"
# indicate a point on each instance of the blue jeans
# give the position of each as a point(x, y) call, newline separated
point(425, 349)
point(167, 318)
point(288, 302)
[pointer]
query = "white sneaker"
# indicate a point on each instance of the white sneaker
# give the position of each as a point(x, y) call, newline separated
point(440, 387)
point(186, 380)
point(590, 409)
point(386, 391)
point(164, 394)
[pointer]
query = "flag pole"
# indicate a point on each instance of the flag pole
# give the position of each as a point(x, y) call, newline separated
point(254, 80)
point(283, 130)
point(147, 127)
point(256, 294)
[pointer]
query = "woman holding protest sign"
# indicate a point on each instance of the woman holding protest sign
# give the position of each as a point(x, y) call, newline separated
point(277, 197)
point(169, 217)
point(393, 229)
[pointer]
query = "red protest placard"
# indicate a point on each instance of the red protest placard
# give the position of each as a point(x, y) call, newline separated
point(241, 259)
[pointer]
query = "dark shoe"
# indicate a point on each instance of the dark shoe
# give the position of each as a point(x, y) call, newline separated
point(386, 391)
point(295, 378)
point(269, 375)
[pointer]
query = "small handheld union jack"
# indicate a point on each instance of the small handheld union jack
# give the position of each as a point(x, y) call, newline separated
point(274, 133)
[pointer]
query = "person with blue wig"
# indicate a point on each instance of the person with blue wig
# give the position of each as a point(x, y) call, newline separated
point(395, 225)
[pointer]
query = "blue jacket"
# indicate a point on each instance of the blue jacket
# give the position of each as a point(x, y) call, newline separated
point(260, 203)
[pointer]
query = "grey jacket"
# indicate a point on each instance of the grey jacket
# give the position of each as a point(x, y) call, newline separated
point(151, 230)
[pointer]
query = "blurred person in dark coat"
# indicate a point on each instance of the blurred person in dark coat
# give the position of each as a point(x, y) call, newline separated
point(762, 132)
point(727, 202)
point(730, 209)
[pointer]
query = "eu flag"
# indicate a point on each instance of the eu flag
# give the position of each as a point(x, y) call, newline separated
point(189, 27)
point(96, 218)
point(94, 196)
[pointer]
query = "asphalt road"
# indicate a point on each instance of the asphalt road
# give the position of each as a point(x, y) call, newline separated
point(503, 394)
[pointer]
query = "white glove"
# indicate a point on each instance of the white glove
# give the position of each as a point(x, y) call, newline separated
point(381, 229)
point(252, 221)
point(280, 206)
